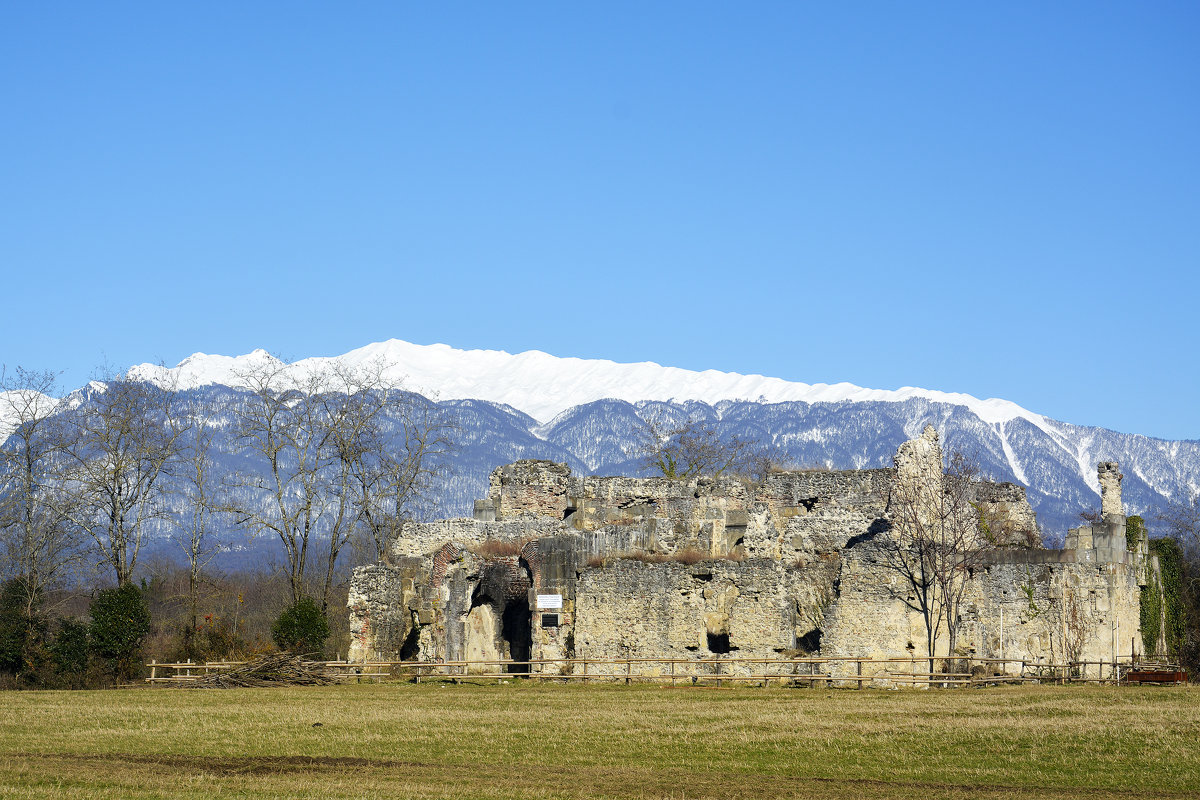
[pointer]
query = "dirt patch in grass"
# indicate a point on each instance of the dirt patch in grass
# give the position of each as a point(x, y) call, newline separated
point(483, 780)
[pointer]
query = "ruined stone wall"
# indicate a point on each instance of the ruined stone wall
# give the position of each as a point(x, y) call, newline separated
point(1099, 542)
point(557, 564)
point(1005, 510)
point(530, 487)
point(706, 516)
point(862, 491)
point(1054, 612)
point(792, 537)
point(421, 538)
point(794, 564)
point(385, 602)
point(620, 492)
point(710, 610)
point(1025, 604)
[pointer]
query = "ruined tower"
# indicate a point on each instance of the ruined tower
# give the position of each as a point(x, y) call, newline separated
point(1110, 489)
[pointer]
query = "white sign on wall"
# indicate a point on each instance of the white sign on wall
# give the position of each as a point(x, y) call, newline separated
point(546, 602)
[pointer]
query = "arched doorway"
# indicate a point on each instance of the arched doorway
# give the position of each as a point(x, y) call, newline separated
point(499, 622)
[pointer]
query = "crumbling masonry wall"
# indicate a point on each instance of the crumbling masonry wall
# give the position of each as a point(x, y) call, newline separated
point(558, 566)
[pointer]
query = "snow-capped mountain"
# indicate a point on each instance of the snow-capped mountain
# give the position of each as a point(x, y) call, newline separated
point(545, 386)
point(586, 412)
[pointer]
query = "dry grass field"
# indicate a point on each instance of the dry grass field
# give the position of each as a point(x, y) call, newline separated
point(552, 741)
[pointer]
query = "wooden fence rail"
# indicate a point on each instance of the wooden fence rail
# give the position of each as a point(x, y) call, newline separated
point(810, 671)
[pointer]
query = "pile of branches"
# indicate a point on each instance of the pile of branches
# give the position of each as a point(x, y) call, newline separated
point(278, 669)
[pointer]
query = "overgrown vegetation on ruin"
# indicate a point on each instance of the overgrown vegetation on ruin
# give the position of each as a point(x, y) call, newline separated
point(573, 741)
point(497, 548)
point(1182, 521)
point(1162, 612)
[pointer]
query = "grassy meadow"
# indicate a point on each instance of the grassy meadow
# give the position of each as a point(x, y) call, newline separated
point(521, 739)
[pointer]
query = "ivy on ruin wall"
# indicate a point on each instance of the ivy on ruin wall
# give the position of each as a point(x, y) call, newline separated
point(1162, 597)
point(1135, 529)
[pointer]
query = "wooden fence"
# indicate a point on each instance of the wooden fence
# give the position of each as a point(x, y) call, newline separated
point(816, 671)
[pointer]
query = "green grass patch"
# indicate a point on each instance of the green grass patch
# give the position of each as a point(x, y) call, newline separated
point(523, 739)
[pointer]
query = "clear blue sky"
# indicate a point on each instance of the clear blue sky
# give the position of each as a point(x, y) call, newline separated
point(995, 198)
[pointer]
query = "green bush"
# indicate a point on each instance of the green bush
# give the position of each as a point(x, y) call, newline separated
point(69, 651)
point(302, 627)
point(120, 621)
point(21, 632)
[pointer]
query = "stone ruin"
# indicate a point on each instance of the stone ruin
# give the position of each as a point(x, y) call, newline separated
point(558, 566)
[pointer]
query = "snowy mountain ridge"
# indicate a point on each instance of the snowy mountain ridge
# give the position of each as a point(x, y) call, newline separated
point(587, 413)
point(549, 388)
point(545, 386)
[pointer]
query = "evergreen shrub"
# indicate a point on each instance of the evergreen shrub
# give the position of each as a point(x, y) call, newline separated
point(302, 627)
point(120, 622)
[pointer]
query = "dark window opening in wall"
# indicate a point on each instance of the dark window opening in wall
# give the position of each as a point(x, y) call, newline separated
point(549, 620)
point(809, 503)
point(516, 627)
point(810, 642)
point(567, 512)
point(741, 541)
point(719, 643)
point(412, 644)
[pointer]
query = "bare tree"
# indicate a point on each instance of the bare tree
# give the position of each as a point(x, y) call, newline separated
point(121, 447)
point(403, 450)
point(962, 545)
point(690, 449)
point(279, 424)
point(1068, 615)
point(353, 400)
point(342, 450)
point(906, 550)
point(38, 544)
point(389, 447)
point(763, 460)
point(935, 543)
point(197, 485)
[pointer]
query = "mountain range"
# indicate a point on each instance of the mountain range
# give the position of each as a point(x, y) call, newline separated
point(586, 413)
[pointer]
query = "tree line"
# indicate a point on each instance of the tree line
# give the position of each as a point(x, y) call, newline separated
point(316, 461)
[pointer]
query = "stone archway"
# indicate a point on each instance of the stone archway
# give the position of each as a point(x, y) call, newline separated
point(499, 624)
